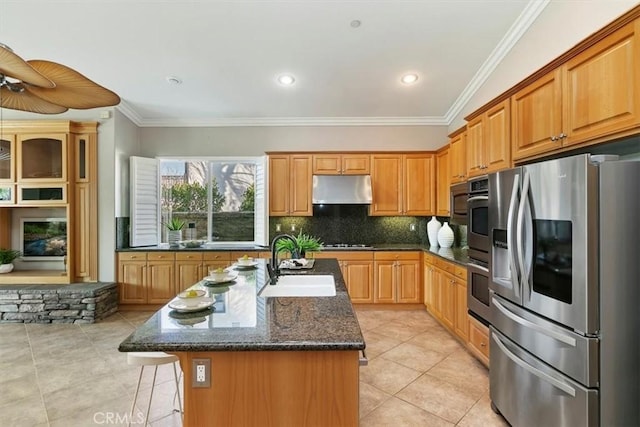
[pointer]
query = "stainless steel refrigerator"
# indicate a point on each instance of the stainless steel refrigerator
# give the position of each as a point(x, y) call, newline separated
point(565, 302)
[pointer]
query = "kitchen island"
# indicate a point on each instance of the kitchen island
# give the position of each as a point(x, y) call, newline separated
point(274, 361)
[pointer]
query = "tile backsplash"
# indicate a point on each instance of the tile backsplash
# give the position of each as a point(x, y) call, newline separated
point(363, 229)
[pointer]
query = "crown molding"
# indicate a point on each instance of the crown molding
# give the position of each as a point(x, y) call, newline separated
point(292, 121)
point(522, 24)
point(128, 111)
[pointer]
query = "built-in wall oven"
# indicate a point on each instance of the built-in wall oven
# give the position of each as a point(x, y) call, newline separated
point(458, 203)
point(478, 300)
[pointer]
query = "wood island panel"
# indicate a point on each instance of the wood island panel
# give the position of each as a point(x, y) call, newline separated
point(274, 388)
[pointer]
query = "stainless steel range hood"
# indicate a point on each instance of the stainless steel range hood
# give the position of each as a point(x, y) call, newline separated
point(341, 189)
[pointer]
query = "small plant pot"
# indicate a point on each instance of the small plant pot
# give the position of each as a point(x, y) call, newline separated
point(174, 237)
point(6, 268)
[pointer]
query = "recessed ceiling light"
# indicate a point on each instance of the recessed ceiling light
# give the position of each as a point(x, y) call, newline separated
point(355, 23)
point(286, 79)
point(409, 79)
point(173, 80)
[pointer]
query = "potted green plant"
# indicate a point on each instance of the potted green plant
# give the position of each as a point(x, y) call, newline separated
point(303, 243)
point(174, 231)
point(6, 259)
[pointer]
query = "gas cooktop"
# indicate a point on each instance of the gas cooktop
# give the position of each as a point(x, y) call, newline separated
point(347, 246)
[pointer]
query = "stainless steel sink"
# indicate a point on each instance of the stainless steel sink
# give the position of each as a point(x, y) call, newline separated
point(321, 285)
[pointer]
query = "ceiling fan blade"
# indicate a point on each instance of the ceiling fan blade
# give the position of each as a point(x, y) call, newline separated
point(11, 65)
point(26, 101)
point(73, 90)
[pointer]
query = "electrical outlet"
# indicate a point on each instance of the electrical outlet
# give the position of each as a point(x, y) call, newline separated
point(412, 227)
point(201, 373)
point(278, 228)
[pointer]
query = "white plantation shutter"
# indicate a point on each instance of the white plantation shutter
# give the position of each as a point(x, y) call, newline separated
point(144, 201)
point(261, 221)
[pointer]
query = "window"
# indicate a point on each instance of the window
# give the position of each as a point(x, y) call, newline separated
point(221, 200)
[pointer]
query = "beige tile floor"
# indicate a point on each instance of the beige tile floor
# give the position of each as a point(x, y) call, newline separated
point(73, 375)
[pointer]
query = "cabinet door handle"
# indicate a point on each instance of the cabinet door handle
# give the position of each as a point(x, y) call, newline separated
point(483, 344)
point(562, 135)
point(554, 138)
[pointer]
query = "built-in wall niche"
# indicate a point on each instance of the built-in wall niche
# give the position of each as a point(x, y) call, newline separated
point(41, 234)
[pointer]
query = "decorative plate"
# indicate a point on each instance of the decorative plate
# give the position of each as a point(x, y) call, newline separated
point(230, 277)
point(181, 307)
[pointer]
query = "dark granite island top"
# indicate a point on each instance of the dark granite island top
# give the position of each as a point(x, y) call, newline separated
point(273, 361)
point(241, 320)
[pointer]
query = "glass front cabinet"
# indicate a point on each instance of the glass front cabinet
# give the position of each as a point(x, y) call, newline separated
point(47, 169)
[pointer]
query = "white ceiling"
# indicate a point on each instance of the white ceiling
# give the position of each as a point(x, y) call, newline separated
point(228, 54)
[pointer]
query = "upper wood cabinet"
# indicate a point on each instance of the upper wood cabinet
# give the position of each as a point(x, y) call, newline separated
point(593, 96)
point(488, 145)
point(290, 178)
point(443, 166)
point(341, 164)
point(42, 158)
point(403, 184)
point(458, 158)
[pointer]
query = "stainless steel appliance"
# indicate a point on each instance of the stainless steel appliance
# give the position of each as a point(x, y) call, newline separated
point(565, 292)
point(458, 203)
point(478, 240)
point(478, 298)
point(477, 219)
point(341, 189)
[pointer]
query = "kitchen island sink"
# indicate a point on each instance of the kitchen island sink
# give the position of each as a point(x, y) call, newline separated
point(274, 360)
point(321, 285)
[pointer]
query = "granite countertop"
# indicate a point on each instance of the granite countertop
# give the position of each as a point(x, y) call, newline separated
point(243, 321)
point(216, 247)
point(457, 255)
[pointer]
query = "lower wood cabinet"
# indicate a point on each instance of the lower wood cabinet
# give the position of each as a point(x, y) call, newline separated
point(357, 271)
point(479, 340)
point(146, 277)
point(397, 277)
point(156, 277)
point(445, 288)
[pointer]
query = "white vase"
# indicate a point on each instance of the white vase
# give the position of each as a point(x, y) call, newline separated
point(433, 227)
point(445, 236)
point(6, 268)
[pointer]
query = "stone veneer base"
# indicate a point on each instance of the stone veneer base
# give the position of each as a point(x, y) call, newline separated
point(74, 303)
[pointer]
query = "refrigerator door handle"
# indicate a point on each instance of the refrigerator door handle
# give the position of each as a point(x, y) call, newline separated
point(519, 249)
point(538, 373)
point(515, 276)
point(528, 324)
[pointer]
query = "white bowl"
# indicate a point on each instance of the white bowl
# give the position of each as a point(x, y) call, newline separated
point(218, 275)
point(191, 301)
point(246, 261)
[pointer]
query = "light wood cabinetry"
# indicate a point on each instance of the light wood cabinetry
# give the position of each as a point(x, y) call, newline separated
point(403, 184)
point(445, 287)
point(458, 158)
point(146, 277)
point(479, 340)
point(156, 277)
point(51, 165)
point(357, 271)
point(341, 164)
point(290, 178)
point(488, 141)
point(397, 277)
point(443, 166)
point(594, 95)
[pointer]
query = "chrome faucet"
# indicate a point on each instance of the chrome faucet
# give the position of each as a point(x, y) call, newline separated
point(273, 267)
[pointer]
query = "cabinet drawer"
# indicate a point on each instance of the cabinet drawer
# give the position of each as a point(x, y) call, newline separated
point(460, 272)
point(132, 256)
point(189, 256)
point(217, 256)
point(393, 256)
point(430, 259)
point(161, 256)
point(479, 336)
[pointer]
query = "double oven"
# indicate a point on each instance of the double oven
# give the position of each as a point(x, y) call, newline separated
point(478, 300)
